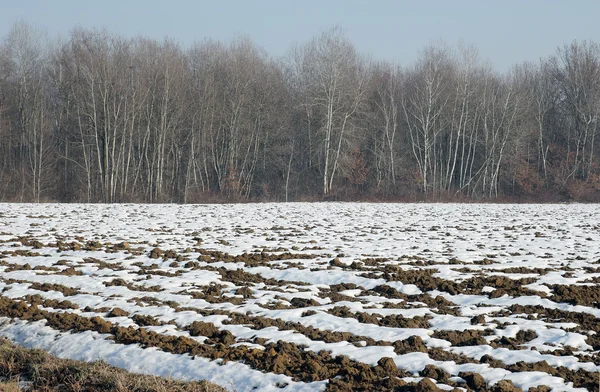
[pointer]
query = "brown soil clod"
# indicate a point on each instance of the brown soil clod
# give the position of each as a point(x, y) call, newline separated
point(93, 245)
point(464, 338)
point(410, 345)
point(388, 365)
point(298, 302)
point(66, 291)
point(515, 343)
point(245, 291)
point(117, 312)
point(121, 246)
point(215, 335)
point(474, 381)
point(145, 321)
point(156, 253)
point(505, 386)
point(426, 385)
point(435, 373)
point(588, 295)
point(131, 286)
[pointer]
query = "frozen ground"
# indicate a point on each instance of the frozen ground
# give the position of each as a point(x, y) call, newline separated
point(303, 297)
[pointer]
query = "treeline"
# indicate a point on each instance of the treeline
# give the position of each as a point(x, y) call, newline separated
point(103, 118)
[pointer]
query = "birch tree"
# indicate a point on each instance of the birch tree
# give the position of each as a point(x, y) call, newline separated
point(426, 96)
point(387, 98)
point(337, 78)
point(25, 56)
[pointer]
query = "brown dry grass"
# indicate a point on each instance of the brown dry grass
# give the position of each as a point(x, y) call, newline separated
point(48, 373)
point(9, 387)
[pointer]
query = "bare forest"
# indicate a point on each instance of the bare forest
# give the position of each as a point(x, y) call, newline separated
point(99, 117)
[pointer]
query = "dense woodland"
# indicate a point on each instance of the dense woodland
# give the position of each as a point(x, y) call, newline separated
point(103, 118)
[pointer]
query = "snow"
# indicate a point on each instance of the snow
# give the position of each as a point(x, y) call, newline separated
point(513, 236)
point(91, 346)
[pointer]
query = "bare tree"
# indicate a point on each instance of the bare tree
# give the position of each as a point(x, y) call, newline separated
point(25, 55)
point(425, 99)
point(337, 77)
point(576, 69)
point(101, 117)
point(387, 80)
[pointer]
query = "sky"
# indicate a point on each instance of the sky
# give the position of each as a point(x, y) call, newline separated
point(506, 32)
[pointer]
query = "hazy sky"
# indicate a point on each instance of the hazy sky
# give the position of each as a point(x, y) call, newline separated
point(506, 32)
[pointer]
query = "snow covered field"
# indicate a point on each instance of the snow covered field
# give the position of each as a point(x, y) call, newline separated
point(307, 297)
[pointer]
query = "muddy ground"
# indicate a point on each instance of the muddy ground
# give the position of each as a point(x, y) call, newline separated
point(225, 306)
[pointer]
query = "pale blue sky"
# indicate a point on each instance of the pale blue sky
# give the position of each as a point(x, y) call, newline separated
point(506, 32)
